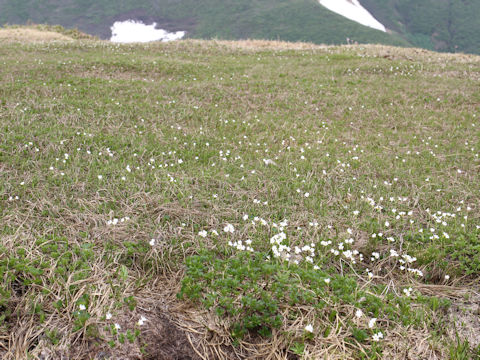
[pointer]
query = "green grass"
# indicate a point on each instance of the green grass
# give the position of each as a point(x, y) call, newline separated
point(243, 194)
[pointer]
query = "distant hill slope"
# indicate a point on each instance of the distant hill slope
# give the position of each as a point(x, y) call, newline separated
point(292, 20)
point(444, 25)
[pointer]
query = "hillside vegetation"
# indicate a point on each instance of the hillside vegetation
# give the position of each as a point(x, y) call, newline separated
point(292, 20)
point(238, 200)
point(443, 25)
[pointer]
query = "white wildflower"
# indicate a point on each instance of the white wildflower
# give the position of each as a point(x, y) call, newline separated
point(229, 228)
point(142, 320)
point(376, 337)
point(309, 328)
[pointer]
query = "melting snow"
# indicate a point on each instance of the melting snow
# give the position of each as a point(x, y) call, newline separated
point(135, 31)
point(351, 9)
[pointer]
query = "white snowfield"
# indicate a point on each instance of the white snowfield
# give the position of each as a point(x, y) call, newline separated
point(351, 9)
point(134, 31)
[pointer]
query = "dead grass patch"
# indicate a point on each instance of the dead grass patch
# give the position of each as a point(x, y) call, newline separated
point(31, 35)
point(411, 54)
point(412, 344)
point(256, 45)
point(464, 314)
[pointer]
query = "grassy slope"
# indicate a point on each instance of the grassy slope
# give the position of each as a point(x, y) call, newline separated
point(447, 25)
point(293, 20)
point(91, 131)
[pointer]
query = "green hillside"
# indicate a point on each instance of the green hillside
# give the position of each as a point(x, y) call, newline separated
point(444, 25)
point(292, 20)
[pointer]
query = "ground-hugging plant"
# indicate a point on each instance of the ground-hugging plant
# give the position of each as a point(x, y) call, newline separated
point(257, 294)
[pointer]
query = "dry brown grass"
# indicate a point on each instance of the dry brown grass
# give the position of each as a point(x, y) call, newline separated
point(30, 35)
point(412, 344)
point(417, 54)
point(375, 50)
point(255, 45)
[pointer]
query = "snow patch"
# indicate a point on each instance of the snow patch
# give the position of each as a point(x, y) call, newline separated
point(351, 9)
point(135, 31)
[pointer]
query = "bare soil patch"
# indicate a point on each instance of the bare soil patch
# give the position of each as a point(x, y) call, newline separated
point(166, 341)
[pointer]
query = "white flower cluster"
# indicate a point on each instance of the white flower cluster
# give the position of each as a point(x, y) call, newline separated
point(239, 245)
point(377, 336)
point(285, 252)
point(279, 249)
point(229, 229)
point(109, 316)
point(405, 261)
point(351, 255)
point(408, 292)
point(116, 221)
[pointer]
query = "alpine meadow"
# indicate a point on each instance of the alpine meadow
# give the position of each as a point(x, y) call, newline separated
point(237, 200)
